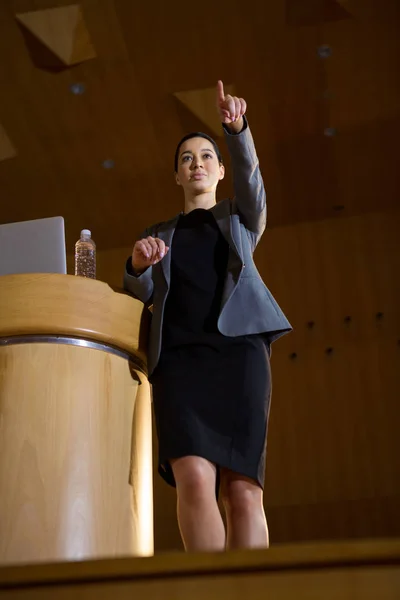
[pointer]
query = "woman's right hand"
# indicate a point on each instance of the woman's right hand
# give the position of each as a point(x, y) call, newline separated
point(147, 252)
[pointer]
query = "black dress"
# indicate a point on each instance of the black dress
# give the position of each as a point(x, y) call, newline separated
point(211, 392)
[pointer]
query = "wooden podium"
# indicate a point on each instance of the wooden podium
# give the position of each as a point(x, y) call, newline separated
point(75, 421)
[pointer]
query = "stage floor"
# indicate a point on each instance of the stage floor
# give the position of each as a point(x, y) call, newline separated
point(330, 571)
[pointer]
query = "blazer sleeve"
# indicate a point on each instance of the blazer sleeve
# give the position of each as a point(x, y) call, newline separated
point(140, 286)
point(250, 197)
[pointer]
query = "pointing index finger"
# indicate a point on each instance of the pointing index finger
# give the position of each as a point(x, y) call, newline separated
point(220, 91)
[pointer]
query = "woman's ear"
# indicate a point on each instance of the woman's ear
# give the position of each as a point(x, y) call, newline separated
point(221, 172)
point(178, 182)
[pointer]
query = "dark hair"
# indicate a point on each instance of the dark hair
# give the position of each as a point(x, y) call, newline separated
point(189, 136)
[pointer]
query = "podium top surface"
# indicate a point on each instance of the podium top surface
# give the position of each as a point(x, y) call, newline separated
point(65, 305)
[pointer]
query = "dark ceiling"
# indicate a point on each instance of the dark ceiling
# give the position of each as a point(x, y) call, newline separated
point(326, 120)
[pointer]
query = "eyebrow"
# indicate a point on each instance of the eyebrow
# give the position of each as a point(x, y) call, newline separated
point(202, 150)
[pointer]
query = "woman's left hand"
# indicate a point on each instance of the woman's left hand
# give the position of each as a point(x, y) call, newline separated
point(230, 108)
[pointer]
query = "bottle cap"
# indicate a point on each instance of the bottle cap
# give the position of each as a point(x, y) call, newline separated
point(86, 232)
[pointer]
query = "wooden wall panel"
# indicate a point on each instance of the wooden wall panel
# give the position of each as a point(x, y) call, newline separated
point(333, 441)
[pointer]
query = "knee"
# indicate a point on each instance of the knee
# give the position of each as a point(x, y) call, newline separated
point(195, 479)
point(241, 499)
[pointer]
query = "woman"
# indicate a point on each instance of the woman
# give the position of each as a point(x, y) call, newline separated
point(212, 326)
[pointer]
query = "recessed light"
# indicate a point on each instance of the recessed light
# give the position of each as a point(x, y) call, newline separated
point(77, 89)
point(324, 51)
point(329, 131)
point(108, 163)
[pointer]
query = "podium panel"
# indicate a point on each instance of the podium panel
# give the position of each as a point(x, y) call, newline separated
point(75, 431)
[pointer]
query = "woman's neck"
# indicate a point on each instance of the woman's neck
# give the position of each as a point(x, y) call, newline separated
point(206, 201)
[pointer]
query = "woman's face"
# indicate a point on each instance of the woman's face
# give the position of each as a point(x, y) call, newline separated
point(199, 170)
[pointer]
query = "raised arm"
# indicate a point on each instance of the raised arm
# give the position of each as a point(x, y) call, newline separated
point(250, 197)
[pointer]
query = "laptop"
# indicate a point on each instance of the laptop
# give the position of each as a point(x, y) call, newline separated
point(33, 247)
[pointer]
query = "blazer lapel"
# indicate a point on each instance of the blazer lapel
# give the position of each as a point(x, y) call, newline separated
point(222, 214)
point(166, 233)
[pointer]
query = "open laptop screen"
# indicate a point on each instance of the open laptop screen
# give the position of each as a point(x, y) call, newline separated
point(33, 247)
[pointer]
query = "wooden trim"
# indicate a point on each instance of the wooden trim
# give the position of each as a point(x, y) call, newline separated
point(305, 557)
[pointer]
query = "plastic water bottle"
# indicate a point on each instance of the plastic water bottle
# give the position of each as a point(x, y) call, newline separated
point(85, 255)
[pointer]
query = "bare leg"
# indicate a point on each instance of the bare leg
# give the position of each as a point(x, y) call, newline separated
point(199, 518)
point(243, 502)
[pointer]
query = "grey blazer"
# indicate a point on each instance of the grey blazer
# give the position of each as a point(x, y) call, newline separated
point(247, 305)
